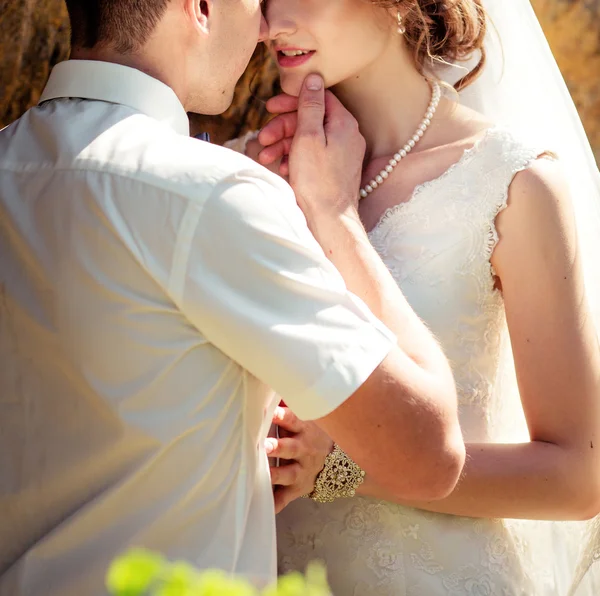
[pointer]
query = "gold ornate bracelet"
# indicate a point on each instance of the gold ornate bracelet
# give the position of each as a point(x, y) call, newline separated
point(339, 478)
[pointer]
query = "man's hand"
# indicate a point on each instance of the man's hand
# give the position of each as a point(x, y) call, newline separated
point(304, 447)
point(326, 150)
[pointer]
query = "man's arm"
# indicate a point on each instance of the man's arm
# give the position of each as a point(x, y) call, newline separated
point(410, 397)
point(409, 402)
point(262, 290)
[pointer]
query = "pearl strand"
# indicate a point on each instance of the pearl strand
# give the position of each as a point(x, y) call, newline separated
point(402, 153)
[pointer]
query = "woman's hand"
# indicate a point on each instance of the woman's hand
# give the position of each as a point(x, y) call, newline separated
point(254, 150)
point(303, 447)
point(276, 137)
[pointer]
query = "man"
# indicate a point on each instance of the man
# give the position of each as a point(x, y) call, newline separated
point(154, 288)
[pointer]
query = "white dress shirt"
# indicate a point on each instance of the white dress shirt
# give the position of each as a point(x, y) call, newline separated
point(155, 290)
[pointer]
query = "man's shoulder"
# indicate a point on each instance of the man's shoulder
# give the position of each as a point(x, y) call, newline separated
point(187, 166)
point(213, 163)
point(106, 140)
point(143, 156)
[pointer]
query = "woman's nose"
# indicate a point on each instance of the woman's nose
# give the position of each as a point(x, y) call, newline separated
point(280, 19)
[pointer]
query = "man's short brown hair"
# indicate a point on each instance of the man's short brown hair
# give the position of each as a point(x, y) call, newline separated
point(124, 25)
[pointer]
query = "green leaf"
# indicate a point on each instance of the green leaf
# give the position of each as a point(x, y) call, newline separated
point(178, 579)
point(292, 584)
point(181, 579)
point(143, 573)
point(216, 583)
point(295, 584)
point(316, 578)
point(133, 573)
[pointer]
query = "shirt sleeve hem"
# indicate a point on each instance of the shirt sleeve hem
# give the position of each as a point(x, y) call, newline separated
point(346, 373)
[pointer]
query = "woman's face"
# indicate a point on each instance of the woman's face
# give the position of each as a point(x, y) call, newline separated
point(339, 38)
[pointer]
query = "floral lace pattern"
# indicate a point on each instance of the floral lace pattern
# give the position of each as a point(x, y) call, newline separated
point(438, 248)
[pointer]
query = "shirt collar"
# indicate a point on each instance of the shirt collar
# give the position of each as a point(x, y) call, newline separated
point(115, 83)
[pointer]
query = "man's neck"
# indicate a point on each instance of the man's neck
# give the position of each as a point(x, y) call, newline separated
point(140, 61)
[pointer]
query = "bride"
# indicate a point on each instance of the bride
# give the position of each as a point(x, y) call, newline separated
point(484, 204)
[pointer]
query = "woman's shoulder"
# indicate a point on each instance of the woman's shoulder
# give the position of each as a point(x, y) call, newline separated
point(469, 127)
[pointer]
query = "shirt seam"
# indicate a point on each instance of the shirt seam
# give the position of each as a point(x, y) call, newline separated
point(182, 251)
point(154, 183)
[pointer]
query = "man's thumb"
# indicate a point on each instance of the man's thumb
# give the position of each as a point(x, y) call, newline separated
point(311, 106)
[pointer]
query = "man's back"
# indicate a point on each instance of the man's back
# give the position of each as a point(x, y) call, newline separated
point(106, 388)
point(153, 287)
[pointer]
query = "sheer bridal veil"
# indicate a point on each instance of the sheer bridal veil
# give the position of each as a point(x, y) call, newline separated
point(521, 87)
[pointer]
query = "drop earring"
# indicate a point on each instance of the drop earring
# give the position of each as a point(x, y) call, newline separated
point(401, 27)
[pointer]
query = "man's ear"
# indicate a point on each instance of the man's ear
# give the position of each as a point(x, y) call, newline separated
point(201, 12)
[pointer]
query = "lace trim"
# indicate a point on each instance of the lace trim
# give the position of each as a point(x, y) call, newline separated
point(590, 554)
point(524, 161)
point(467, 155)
point(492, 233)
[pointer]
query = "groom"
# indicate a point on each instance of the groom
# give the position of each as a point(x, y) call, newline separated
point(156, 289)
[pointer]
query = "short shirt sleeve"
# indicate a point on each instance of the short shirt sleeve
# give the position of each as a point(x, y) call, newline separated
point(256, 283)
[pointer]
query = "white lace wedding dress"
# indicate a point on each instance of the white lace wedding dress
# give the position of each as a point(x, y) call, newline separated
point(438, 247)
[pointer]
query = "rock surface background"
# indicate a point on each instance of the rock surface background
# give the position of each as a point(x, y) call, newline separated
point(34, 36)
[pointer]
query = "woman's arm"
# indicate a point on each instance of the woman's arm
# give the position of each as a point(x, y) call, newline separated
point(557, 359)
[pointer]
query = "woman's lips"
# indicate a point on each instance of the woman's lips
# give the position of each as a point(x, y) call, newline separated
point(293, 61)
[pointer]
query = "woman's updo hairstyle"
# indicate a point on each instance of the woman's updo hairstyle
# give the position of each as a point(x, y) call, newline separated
point(440, 31)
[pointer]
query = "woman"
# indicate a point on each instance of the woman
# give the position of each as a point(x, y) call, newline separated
point(476, 225)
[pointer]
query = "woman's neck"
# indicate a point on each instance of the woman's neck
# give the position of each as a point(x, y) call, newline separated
point(389, 99)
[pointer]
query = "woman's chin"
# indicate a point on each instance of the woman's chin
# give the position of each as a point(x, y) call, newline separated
point(291, 83)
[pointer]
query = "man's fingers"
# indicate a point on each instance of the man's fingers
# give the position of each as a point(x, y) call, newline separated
point(311, 108)
point(285, 418)
point(272, 153)
point(279, 128)
point(334, 109)
point(282, 103)
point(285, 475)
point(286, 448)
point(337, 116)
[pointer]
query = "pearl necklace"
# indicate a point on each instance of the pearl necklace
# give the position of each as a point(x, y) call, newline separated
point(423, 126)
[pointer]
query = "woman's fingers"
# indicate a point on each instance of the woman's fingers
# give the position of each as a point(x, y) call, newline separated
point(271, 153)
point(282, 103)
point(285, 418)
point(290, 483)
point(281, 127)
point(284, 448)
point(286, 475)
